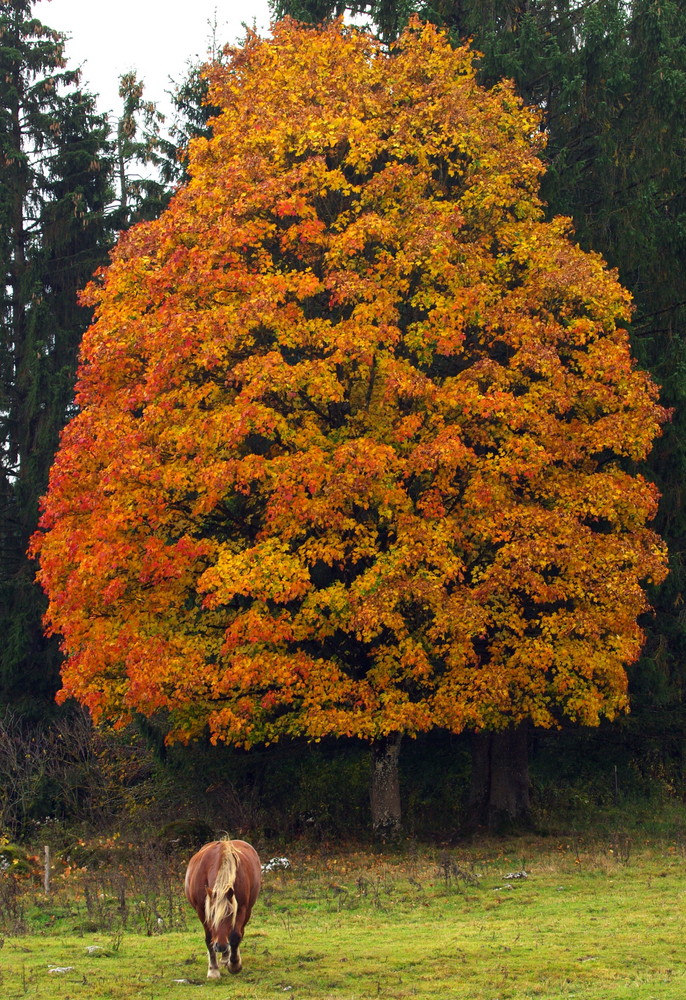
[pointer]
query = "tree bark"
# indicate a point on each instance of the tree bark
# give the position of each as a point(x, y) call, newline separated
point(499, 796)
point(385, 786)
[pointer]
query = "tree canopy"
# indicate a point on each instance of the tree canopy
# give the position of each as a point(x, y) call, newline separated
point(356, 431)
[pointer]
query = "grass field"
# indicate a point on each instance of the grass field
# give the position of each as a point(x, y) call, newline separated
point(598, 922)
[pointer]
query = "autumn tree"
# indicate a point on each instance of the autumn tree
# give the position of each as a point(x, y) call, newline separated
point(356, 431)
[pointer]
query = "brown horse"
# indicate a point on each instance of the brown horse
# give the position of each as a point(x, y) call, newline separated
point(222, 883)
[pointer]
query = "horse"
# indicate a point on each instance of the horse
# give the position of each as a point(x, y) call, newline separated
point(222, 883)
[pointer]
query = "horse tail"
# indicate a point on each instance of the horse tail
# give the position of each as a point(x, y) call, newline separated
point(220, 902)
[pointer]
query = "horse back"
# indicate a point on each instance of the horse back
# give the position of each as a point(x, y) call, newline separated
point(204, 866)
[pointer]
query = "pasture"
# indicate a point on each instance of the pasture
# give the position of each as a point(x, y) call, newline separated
point(598, 921)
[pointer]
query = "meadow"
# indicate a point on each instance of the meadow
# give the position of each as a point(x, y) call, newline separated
point(523, 918)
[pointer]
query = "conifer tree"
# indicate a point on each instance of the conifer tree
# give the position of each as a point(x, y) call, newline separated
point(645, 216)
point(192, 115)
point(140, 155)
point(389, 17)
point(56, 172)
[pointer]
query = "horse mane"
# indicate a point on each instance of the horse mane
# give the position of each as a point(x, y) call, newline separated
point(218, 904)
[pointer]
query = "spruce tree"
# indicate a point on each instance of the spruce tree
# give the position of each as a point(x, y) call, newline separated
point(611, 77)
point(56, 170)
point(192, 119)
point(646, 214)
point(141, 192)
point(389, 17)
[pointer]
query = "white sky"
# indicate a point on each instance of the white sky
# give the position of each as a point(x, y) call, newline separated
point(156, 38)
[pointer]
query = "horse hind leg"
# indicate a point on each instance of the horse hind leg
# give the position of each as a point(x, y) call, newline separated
point(212, 967)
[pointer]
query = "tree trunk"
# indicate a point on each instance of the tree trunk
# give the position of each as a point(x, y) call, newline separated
point(385, 786)
point(500, 786)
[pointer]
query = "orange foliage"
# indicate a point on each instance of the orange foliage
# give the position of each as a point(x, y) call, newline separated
point(356, 424)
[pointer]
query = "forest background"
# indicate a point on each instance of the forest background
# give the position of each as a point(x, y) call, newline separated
point(610, 78)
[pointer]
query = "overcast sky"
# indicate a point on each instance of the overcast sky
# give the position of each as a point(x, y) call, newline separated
point(157, 38)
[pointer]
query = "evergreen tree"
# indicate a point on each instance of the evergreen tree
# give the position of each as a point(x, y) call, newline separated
point(140, 156)
point(193, 114)
point(611, 77)
point(645, 214)
point(56, 173)
point(389, 17)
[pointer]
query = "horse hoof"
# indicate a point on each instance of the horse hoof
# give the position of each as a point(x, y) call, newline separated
point(213, 974)
point(236, 967)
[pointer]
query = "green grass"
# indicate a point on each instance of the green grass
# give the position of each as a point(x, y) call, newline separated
point(603, 922)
